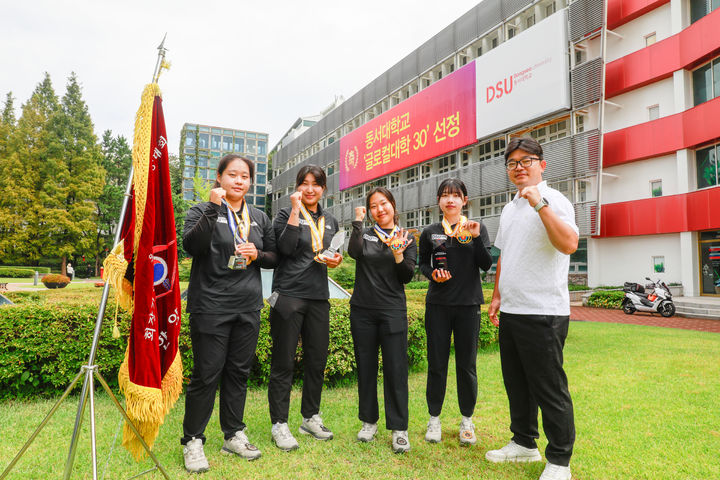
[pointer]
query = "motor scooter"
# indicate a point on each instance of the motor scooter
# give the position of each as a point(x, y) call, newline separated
point(657, 300)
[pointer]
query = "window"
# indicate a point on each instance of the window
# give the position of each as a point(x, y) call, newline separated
point(564, 187)
point(446, 164)
point(411, 219)
point(551, 132)
point(250, 147)
point(260, 178)
point(530, 21)
point(494, 42)
point(579, 122)
point(706, 166)
point(189, 161)
point(491, 149)
point(203, 140)
point(580, 56)
point(650, 39)
point(329, 201)
point(394, 180)
point(261, 147)
point(250, 135)
point(260, 202)
point(550, 9)
point(465, 158)
point(260, 167)
point(658, 264)
point(215, 142)
point(426, 218)
point(479, 51)
point(227, 144)
point(700, 8)
point(411, 175)
point(426, 170)
point(492, 204)
point(706, 81)
point(189, 139)
point(260, 189)
point(578, 260)
point(654, 112)
point(656, 188)
point(510, 32)
point(582, 189)
point(330, 169)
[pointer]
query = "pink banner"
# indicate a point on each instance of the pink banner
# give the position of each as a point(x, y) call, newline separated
point(437, 120)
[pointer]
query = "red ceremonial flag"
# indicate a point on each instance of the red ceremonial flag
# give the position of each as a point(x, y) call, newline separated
point(143, 269)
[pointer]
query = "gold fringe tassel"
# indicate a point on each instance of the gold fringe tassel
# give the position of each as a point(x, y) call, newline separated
point(147, 407)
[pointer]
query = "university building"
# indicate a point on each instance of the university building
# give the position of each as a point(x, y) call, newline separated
point(622, 94)
point(202, 147)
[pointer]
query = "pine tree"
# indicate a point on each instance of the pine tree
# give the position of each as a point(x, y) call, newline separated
point(22, 215)
point(116, 160)
point(73, 179)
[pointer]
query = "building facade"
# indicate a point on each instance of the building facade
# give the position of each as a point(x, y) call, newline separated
point(620, 93)
point(202, 147)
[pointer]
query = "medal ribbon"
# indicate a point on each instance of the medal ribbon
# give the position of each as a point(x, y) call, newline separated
point(317, 231)
point(386, 238)
point(449, 231)
point(239, 228)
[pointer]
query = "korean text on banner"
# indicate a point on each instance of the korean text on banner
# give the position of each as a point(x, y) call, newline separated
point(436, 120)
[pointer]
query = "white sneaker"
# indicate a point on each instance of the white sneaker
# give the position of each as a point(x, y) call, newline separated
point(282, 437)
point(240, 445)
point(555, 472)
point(467, 432)
point(512, 452)
point(367, 432)
point(314, 426)
point(194, 456)
point(434, 430)
point(400, 441)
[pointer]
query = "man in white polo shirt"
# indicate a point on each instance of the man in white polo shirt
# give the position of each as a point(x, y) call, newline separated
point(537, 234)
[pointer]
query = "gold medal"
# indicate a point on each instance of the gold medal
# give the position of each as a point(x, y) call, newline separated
point(397, 244)
point(464, 236)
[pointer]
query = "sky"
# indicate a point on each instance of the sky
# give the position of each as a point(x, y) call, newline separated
point(254, 65)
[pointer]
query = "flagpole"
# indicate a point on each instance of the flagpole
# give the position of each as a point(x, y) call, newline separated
point(91, 369)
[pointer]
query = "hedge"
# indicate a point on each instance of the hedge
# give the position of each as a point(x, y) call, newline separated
point(42, 348)
point(16, 272)
point(40, 270)
point(606, 299)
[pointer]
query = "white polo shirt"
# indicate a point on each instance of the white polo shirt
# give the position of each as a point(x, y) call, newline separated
point(533, 273)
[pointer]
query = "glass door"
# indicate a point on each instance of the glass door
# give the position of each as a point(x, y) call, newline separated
point(710, 263)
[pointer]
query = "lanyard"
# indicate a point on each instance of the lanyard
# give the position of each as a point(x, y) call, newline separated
point(449, 231)
point(239, 226)
point(317, 231)
point(386, 238)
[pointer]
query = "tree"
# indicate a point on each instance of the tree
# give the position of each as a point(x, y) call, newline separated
point(116, 161)
point(7, 127)
point(73, 179)
point(180, 205)
point(23, 220)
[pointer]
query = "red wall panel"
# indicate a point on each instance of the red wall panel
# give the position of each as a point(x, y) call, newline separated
point(700, 40)
point(623, 11)
point(672, 214)
point(665, 135)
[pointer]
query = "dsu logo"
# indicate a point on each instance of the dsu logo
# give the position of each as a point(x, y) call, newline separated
point(503, 87)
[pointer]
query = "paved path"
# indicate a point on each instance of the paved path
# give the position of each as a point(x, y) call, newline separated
point(588, 314)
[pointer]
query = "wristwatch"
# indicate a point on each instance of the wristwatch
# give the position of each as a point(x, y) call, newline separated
point(542, 203)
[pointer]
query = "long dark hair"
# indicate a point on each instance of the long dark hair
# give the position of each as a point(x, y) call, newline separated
point(226, 160)
point(315, 171)
point(388, 195)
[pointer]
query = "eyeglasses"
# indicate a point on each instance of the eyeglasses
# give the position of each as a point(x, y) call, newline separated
point(525, 162)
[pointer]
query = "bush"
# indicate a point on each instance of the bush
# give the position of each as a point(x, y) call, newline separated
point(421, 285)
point(344, 274)
point(184, 269)
point(42, 349)
point(55, 280)
point(608, 299)
point(16, 272)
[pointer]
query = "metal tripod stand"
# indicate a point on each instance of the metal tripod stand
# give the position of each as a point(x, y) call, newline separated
point(90, 370)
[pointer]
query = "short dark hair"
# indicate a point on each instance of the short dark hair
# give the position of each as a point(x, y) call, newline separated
point(526, 144)
point(387, 194)
point(229, 158)
point(313, 170)
point(452, 185)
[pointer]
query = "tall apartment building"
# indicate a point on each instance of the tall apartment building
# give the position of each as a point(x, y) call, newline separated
point(621, 93)
point(202, 147)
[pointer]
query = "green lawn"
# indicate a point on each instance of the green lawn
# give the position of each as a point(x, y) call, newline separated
point(645, 401)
